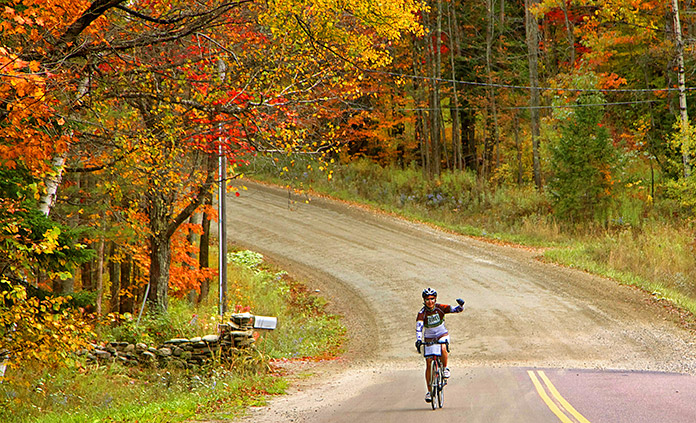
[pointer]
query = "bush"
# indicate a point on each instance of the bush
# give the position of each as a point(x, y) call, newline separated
point(34, 329)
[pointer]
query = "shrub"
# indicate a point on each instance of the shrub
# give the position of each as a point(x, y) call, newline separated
point(40, 329)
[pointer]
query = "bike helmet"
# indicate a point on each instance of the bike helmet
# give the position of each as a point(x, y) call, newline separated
point(429, 292)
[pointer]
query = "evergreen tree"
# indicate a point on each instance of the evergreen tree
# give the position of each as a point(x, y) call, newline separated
point(582, 161)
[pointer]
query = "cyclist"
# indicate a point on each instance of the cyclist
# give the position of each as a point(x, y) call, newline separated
point(430, 326)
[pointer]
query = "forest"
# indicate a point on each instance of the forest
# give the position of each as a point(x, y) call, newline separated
point(116, 117)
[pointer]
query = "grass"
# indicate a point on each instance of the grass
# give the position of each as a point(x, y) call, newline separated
point(47, 393)
point(121, 395)
point(642, 242)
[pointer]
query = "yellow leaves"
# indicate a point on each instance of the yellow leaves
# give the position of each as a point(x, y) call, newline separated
point(50, 242)
point(42, 329)
point(350, 27)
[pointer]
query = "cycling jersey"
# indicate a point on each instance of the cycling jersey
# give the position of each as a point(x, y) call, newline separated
point(430, 324)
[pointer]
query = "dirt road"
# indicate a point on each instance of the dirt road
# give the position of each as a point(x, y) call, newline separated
point(521, 313)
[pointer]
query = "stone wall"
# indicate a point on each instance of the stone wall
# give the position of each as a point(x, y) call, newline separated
point(232, 336)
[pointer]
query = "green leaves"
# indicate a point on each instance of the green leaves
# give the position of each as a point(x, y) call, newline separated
point(582, 161)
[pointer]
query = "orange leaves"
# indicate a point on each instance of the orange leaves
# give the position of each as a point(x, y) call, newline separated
point(185, 275)
point(611, 81)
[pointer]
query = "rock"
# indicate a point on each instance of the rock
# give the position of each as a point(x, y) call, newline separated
point(102, 355)
point(180, 364)
point(211, 338)
point(147, 355)
point(245, 333)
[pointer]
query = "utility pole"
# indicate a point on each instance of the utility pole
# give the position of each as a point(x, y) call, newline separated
point(222, 209)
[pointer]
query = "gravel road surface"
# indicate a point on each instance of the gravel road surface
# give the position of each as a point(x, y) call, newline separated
point(522, 317)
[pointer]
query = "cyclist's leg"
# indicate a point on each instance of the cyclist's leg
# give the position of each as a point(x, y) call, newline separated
point(445, 354)
point(443, 359)
point(427, 372)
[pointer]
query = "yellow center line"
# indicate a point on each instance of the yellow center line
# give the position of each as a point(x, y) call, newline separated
point(565, 404)
point(545, 397)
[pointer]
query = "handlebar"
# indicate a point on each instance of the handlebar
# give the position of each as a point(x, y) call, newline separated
point(429, 343)
point(436, 342)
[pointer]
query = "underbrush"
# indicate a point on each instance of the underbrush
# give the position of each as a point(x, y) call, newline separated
point(457, 200)
point(85, 392)
point(304, 328)
point(641, 241)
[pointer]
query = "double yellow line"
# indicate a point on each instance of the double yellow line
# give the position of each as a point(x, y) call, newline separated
point(556, 403)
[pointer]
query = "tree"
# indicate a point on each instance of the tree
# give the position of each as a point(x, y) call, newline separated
point(534, 97)
point(582, 159)
point(135, 93)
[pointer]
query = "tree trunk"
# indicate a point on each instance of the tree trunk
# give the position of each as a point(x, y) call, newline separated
point(518, 146)
point(127, 292)
point(532, 32)
point(569, 34)
point(52, 183)
point(100, 276)
point(204, 253)
point(114, 278)
point(194, 240)
point(454, 108)
point(86, 276)
point(469, 138)
point(435, 108)
point(427, 118)
point(490, 36)
point(160, 260)
point(683, 111)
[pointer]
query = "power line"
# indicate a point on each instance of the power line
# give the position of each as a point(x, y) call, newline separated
point(563, 106)
point(523, 87)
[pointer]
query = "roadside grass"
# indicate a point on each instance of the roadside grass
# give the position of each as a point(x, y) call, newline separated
point(116, 394)
point(642, 243)
point(304, 328)
point(84, 392)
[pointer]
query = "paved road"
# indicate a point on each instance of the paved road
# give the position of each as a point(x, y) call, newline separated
point(536, 341)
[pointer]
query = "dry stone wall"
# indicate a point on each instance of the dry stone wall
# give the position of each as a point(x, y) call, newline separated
point(183, 352)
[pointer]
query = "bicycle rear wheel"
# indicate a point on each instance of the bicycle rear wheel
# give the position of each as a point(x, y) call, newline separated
point(433, 383)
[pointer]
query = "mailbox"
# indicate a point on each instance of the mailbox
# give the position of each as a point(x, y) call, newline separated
point(265, 322)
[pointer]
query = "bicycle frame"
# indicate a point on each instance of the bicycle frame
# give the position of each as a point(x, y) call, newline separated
point(436, 380)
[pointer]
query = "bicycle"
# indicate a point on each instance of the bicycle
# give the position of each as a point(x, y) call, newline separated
point(437, 380)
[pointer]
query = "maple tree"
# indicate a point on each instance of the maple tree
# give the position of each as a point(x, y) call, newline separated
point(144, 94)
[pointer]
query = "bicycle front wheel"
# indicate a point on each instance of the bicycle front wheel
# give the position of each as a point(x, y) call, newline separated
point(440, 387)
